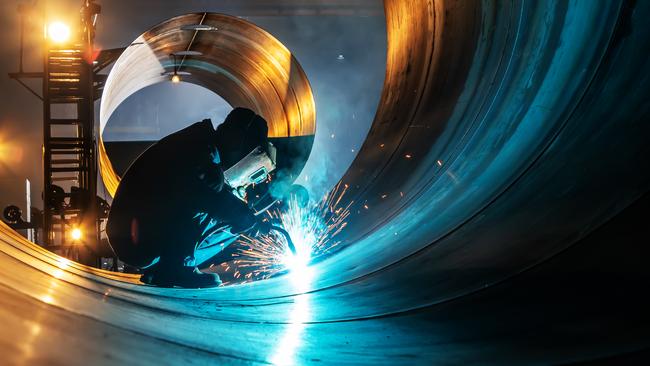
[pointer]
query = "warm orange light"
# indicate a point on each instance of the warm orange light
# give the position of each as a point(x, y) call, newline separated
point(176, 79)
point(11, 154)
point(76, 234)
point(58, 32)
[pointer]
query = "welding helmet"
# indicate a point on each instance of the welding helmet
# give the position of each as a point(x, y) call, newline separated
point(247, 157)
point(253, 169)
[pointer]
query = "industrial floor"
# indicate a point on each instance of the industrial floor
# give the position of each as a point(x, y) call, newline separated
point(585, 304)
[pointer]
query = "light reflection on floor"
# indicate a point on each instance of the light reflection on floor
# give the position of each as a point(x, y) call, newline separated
point(48, 297)
point(289, 345)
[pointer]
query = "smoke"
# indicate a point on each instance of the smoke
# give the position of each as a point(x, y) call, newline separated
point(345, 61)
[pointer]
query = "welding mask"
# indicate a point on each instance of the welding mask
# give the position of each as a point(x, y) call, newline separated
point(250, 176)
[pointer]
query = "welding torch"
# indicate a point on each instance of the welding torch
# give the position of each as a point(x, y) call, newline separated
point(286, 235)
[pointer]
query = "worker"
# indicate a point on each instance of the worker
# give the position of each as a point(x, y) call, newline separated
point(189, 183)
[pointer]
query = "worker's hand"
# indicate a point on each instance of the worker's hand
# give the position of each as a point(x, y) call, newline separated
point(252, 226)
point(261, 227)
point(244, 224)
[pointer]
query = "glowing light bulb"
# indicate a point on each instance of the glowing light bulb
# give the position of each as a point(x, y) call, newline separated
point(76, 234)
point(176, 79)
point(58, 32)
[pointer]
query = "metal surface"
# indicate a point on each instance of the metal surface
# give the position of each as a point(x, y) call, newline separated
point(267, 8)
point(241, 62)
point(498, 239)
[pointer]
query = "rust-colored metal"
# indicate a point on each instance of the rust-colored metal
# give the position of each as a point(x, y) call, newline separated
point(241, 62)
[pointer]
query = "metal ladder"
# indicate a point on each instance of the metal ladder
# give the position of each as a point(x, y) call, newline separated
point(69, 150)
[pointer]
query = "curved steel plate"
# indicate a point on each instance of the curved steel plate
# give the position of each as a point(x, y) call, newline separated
point(526, 127)
point(241, 62)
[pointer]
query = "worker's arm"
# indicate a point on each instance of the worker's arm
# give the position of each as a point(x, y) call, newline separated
point(190, 154)
point(199, 158)
point(224, 206)
point(208, 170)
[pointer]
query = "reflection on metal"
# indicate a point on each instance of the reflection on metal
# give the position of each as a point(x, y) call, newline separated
point(241, 62)
point(290, 342)
point(199, 27)
point(187, 53)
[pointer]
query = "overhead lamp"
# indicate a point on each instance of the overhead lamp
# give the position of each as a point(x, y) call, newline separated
point(172, 73)
point(176, 74)
point(199, 27)
point(76, 234)
point(58, 32)
point(188, 53)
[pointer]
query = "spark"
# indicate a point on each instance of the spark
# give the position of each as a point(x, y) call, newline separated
point(313, 229)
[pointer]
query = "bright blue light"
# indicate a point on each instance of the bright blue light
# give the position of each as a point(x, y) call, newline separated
point(313, 229)
point(306, 228)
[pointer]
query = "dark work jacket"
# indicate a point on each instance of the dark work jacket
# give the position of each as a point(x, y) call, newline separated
point(154, 210)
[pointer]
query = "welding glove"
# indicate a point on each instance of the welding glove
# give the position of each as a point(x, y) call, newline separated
point(261, 227)
point(257, 228)
point(244, 224)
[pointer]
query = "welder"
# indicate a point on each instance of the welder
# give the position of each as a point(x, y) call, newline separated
point(191, 184)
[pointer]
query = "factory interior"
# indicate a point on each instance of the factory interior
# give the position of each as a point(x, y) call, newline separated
point(454, 182)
